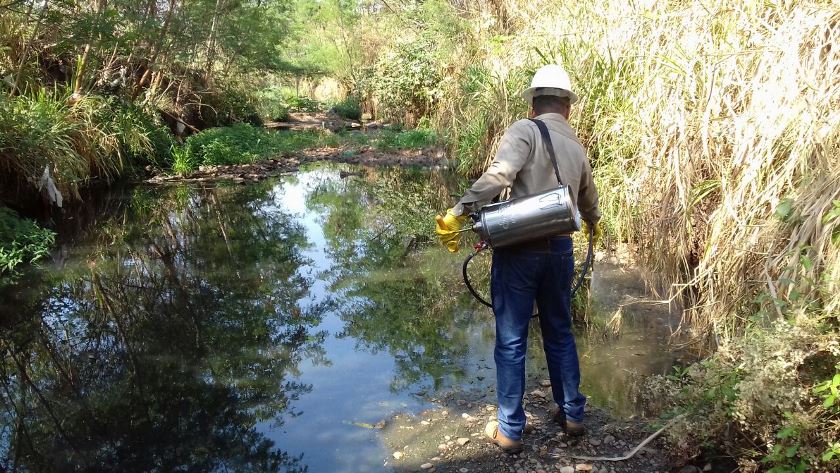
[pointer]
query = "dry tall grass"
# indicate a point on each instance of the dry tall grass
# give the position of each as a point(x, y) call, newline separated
point(702, 119)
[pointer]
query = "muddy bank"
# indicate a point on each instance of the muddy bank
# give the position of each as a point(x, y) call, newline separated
point(254, 172)
point(449, 438)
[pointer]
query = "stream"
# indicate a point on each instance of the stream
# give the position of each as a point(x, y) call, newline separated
point(267, 326)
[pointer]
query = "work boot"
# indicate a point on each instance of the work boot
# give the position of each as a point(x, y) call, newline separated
point(572, 428)
point(491, 430)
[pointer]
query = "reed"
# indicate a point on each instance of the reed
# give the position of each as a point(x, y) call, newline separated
point(700, 120)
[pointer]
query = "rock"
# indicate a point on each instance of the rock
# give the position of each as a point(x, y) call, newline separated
point(464, 470)
point(490, 408)
point(397, 455)
point(583, 467)
point(461, 402)
point(562, 445)
point(707, 467)
point(442, 447)
point(424, 422)
point(567, 469)
point(467, 417)
point(463, 441)
point(546, 383)
point(538, 394)
point(594, 441)
point(447, 437)
point(609, 439)
point(427, 466)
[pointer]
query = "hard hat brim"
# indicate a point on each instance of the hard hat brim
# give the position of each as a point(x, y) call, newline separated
point(531, 92)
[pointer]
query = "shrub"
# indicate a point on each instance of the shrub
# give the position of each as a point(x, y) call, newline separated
point(77, 139)
point(350, 108)
point(774, 391)
point(21, 241)
point(411, 139)
point(243, 143)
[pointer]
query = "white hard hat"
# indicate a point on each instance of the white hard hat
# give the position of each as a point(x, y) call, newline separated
point(550, 79)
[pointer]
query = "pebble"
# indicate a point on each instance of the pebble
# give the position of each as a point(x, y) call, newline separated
point(464, 470)
point(442, 446)
point(467, 417)
point(424, 422)
point(567, 469)
point(447, 437)
point(461, 402)
point(426, 466)
point(538, 393)
point(708, 467)
point(463, 441)
point(609, 439)
point(397, 455)
point(594, 442)
point(583, 467)
point(546, 383)
point(490, 408)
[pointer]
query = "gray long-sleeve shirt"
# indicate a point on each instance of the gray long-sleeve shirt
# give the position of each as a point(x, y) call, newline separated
point(523, 165)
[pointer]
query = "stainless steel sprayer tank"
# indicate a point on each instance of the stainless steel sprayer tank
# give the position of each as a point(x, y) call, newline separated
point(519, 220)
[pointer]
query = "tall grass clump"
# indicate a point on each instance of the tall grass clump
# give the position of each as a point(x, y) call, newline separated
point(76, 139)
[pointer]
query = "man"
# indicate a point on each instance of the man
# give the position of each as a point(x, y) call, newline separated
point(541, 270)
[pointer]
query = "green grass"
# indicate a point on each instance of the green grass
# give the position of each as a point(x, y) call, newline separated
point(79, 140)
point(241, 144)
point(21, 241)
point(410, 139)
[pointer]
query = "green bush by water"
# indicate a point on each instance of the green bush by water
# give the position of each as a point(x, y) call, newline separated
point(21, 241)
point(390, 140)
point(78, 139)
point(350, 108)
point(242, 143)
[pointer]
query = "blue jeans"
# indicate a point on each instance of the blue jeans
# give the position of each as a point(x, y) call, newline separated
point(518, 278)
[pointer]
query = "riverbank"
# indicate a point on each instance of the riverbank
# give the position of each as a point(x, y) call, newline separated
point(450, 438)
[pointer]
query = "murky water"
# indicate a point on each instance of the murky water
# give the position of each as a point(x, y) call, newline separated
point(265, 327)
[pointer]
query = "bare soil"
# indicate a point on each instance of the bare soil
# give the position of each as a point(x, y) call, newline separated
point(450, 438)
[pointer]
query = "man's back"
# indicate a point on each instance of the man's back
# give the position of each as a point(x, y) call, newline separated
point(522, 163)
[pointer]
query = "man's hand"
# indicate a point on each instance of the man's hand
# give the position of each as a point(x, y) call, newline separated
point(447, 230)
point(596, 231)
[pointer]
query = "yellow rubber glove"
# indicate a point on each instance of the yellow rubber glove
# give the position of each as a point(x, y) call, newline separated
point(447, 230)
point(596, 235)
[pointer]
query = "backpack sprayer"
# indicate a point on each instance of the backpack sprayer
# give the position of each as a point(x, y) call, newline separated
point(528, 218)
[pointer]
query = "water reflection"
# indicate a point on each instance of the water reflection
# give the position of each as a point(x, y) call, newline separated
point(162, 342)
point(255, 328)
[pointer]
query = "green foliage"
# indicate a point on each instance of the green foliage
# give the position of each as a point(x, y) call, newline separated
point(242, 143)
point(411, 139)
point(78, 139)
point(21, 241)
point(228, 106)
point(406, 81)
point(761, 391)
point(296, 103)
point(350, 108)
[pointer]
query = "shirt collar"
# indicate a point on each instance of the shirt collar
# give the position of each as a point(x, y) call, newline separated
point(552, 116)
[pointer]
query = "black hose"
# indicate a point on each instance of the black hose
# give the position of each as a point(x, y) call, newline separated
point(587, 263)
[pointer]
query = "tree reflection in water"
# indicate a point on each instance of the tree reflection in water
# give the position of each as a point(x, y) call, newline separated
point(397, 296)
point(163, 346)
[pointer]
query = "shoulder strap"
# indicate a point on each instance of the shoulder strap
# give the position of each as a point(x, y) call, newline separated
point(548, 146)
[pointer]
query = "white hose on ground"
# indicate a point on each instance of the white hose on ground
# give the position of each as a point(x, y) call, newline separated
point(632, 452)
